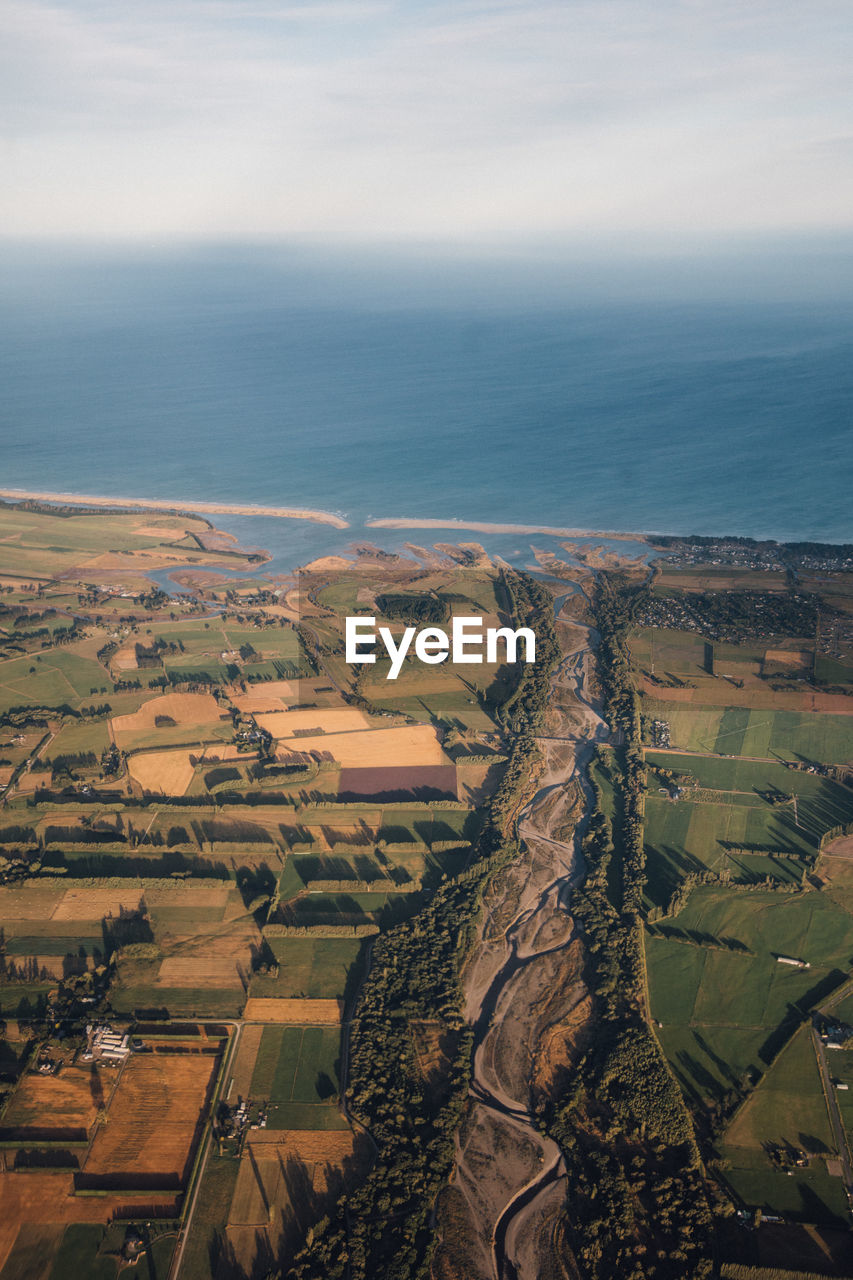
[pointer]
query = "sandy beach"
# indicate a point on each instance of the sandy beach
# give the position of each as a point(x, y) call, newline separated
point(157, 504)
point(392, 522)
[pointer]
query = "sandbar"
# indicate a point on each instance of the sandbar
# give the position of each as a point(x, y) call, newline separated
point(389, 522)
point(158, 504)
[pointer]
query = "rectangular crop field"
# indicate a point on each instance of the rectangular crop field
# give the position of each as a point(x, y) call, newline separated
point(735, 730)
point(297, 1073)
point(25, 1195)
point(788, 1106)
point(678, 653)
point(154, 1115)
point(310, 967)
point(293, 1011)
point(69, 1100)
point(371, 748)
point(79, 737)
point(821, 803)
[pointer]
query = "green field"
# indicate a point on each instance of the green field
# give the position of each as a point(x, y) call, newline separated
point(786, 1109)
point(458, 707)
point(684, 653)
point(840, 1062)
point(297, 1073)
point(833, 670)
point(683, 836)
point(727, 1011)
point(313, 967)
point(78, 737)
point(56, 677)
point(79, 1255)
point(21, 999)
point(269, 642)
point(787, 735)
point(181, 1002)
point(750, 775)
point(821, 802)
point(714, 964)
point(732, 811)
point(754, 927)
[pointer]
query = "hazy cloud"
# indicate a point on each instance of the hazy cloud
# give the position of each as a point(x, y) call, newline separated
point(197, 118)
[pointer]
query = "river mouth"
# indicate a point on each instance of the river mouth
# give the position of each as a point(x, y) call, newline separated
point(522, 978)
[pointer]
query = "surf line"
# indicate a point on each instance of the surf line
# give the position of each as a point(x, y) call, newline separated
point(432, 645)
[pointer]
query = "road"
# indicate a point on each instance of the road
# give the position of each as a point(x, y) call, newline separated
point(178, 1255)
point(832, 1107)
point(829, 1093)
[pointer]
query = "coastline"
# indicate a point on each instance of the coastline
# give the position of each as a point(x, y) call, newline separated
point(158, 504)
point(477, 526)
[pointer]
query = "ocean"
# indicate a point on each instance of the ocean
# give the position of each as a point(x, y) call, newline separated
point(174, 380)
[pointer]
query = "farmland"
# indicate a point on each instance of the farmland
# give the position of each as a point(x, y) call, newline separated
point(731, 818)
point(297, 1077)
point(741, 731)
point(130, 1134)
point(208, 817)
point(155, 1115)
point(747, 770)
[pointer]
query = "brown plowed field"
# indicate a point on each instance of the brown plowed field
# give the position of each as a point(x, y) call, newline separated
point(248, 1204)
point(301, 1012)
point(34, 780)
point(125, 659)
point(273, 696)
point(29, 901)
point(724, 694)
point(333, 1145)
point(69, 1100)
point(374, 748)
point(200, 971)
point(190, 893)
point(474, 782)
point(789, 657)
point(168, 533)
point(283, 724)
point(94, 904)
point(840, 848)
point(153, 1115)
point(319, 1151)
point(184, 708)
point(169, 772)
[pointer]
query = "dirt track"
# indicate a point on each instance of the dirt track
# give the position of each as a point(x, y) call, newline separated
point(523, 991)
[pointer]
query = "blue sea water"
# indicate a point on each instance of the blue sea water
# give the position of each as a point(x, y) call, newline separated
point(168, 380)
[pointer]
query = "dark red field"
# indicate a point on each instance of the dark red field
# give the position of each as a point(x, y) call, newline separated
point(410, 782)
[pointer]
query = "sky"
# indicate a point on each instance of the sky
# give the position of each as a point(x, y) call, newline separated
point(471, 122)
